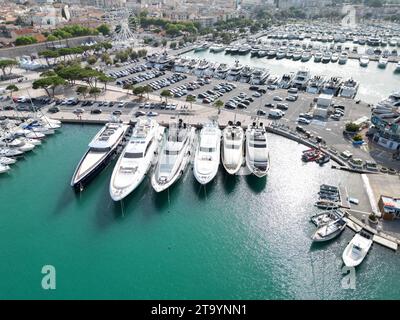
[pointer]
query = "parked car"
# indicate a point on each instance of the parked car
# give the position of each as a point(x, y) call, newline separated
point(277, 98)
point(95, 111)
point(303, 120)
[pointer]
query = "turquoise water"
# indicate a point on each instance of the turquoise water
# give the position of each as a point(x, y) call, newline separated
point(241, 238)
point(375, 83)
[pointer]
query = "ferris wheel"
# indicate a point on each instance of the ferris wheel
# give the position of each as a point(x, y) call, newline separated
point(124, 25)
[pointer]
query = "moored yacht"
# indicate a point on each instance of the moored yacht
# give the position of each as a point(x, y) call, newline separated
point(206, 160)
point(101, 150)
point(357, 249)
point(217, 48)
point(315, 84)
point(344, 56)
point(383, 61)
point(318, 56)
point(201, 68)
point(257, 151)
point(232, 147)
point(246, 74)
point(332, 86)
point(364, 61)
point(301, 78)
point(222, 71)
point(335, 57)
point(202, 47)
point(234, 72)
point(136, 158)
point(326, 57)
point(174, 156)
point(286, 80)
point(349, 88)
point(259, 76)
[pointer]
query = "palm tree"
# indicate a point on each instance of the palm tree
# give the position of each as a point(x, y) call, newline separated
point(147, 89)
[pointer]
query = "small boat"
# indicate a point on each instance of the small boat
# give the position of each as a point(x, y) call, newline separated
point(4, 168)
point(325, 158)
point(206, 160)
point(217, 48)
point(357, 249)
point(329, 231)
point(344, 56)
point(10, 153)
point(326, 217)
point(7, 161)
point(202, 47)
point(318, 56)
point(326, 204)
point(335, 57)
point(312, 155)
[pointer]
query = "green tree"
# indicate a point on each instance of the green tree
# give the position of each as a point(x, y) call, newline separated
point(49, 84)
point(51, 37)
point(104, 29)
point(166, 94)
point(92, 60)
point(138, 91)
point(147, 89)
point(191, 99)
point(105, 79)
point(24, 40)
point(12, 88)
point(6, 65)
point(352, 127)
point(83, 90)
point(164, 42)
point(49, 54)
point(94, 92)
point(172, 45)
point(218, 104)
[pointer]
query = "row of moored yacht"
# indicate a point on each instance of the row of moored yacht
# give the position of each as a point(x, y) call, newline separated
point(169, 151)
point(19, 137)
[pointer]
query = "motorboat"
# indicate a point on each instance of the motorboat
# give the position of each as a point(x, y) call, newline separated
point(301, 78)
point(326, 58)
point(326, 204)
point(207, 156)
point(202, 47)
point(318, 56)
point(349, 88)
point(16, 144)
point(344, 56)
point(210, 71)
point(297, 54)
point(332, 86)
point(10, 153)
point(234, 72)
point(174, 156)
point(136, 158)
point(397, 67)
point(232, 147)
point(101, 150)
point(280, 54)
point(329, 231)
point(4, 168)
point(201, 68)
point(7, 161)
point(286, 80)
point(222, 71)
point(259, 76)
point(306, 56)
point(364, 61)
point(383, 61)
point(246, 74)
point(271, 53)
point(257, 150)
point(217, 48)
point(245, 49)
point(357, 249)
point(335, 57)
point(326, 217)
point(315, 84)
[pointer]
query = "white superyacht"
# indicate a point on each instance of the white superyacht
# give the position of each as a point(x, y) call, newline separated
point(257, 151)
point(174, 156)
point(206, 161)
point(232, 147)
point(136, 158)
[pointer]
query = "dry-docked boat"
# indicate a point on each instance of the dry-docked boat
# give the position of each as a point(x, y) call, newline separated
point(349, 88)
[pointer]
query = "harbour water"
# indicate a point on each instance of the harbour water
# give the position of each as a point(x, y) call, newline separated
point(241, 238)
point(375, 83)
